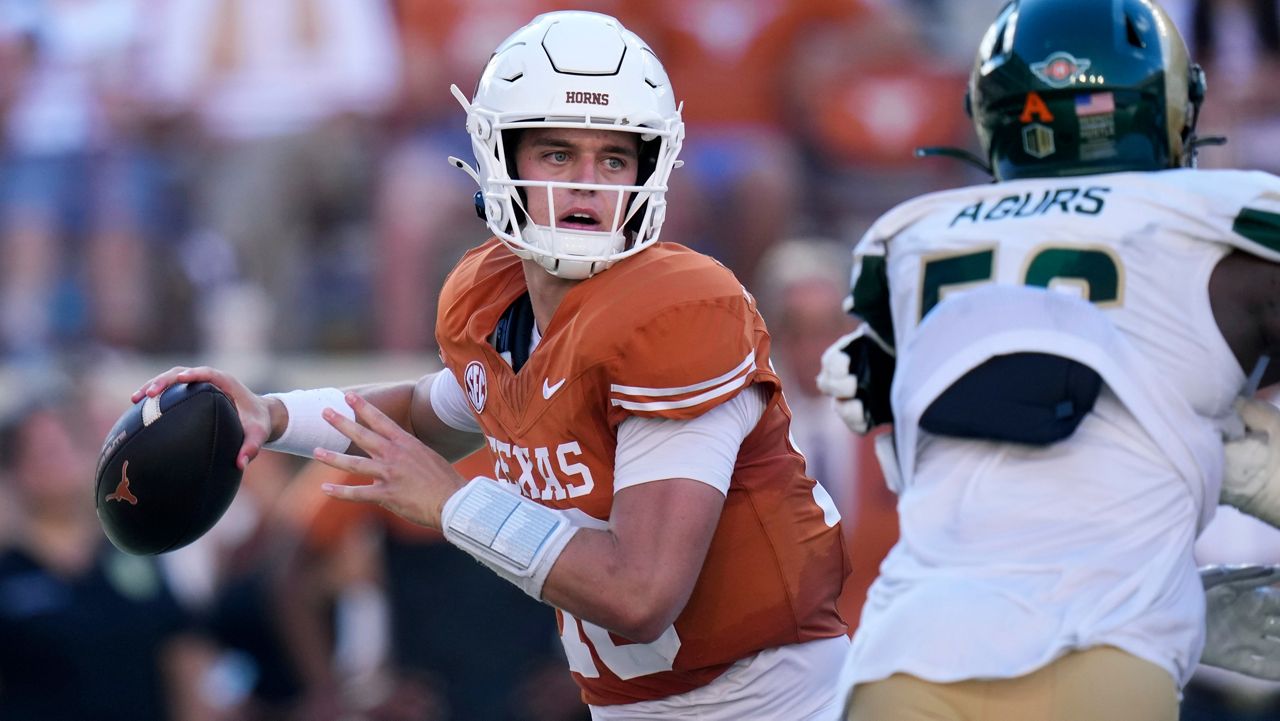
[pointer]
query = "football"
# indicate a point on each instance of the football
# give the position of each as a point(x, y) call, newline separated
point(167, 471)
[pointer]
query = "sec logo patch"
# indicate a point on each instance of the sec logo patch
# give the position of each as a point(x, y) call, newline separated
point(477, 385)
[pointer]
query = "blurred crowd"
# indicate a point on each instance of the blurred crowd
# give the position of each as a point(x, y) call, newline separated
point(223, 178)
point(207, 175)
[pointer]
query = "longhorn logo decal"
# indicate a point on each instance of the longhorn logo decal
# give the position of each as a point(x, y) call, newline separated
point(122, 492)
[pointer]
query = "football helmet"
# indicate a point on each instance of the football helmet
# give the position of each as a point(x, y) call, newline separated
point(1075, 87)
point(572, 69)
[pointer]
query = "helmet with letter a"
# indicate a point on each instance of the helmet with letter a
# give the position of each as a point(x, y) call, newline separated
point(575, 70)
point(1076, 87)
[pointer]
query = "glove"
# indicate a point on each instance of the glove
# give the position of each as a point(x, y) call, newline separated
point(837, 381)
point(857, 371)
point(1242, 622)
point(1251, 475)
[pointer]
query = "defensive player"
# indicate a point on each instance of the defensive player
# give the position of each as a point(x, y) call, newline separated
point(643, 481)
point(1069, 343)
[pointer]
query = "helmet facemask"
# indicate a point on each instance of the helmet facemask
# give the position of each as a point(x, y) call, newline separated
point(630, 225)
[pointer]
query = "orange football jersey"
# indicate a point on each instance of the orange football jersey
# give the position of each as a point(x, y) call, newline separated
point(668, 333)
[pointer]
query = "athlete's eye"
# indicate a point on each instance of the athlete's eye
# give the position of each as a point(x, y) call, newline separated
point(615, 163)
point(558, 157)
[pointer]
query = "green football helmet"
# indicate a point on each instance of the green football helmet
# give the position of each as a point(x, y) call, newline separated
point(1076, 87)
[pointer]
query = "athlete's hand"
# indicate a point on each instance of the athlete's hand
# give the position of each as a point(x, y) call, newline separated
point(1242, 620)
point(254, 410)
point(409, 479)
point(1251, 474)
point(838, 382)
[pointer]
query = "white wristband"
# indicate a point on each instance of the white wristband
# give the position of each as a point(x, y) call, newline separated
point(307, 429)
point(516, 537)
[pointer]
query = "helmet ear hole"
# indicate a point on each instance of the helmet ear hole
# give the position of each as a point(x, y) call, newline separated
point(968, 104)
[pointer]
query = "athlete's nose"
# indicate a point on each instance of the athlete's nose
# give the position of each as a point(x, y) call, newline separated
point(586, 170)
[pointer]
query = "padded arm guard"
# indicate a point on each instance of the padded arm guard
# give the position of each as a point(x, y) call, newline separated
point(517, 538)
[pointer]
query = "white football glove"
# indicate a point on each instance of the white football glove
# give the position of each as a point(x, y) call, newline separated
point(1242, 620)
point(1251, 477)
point(838, 382)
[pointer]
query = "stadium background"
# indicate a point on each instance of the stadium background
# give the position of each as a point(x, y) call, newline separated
point(262, 186)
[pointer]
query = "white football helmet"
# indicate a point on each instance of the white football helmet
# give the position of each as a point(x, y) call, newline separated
point(573, 69)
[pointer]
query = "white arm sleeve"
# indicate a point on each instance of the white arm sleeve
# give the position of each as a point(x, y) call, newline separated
point(450, 403)
point(703, 448)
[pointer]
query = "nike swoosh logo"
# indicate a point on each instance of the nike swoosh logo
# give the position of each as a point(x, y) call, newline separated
point(549, 390)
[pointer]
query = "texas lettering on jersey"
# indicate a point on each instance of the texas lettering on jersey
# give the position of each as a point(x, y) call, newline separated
point(539, 471)
point(671, 334)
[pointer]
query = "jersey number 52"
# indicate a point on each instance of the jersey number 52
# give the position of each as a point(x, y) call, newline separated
point(1094, 271)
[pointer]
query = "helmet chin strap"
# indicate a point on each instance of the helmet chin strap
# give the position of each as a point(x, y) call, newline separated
point(570, 269)
point(549, 242)
point(960, 154)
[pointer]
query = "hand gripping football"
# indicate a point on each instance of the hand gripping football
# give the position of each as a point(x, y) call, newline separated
point(168, 471)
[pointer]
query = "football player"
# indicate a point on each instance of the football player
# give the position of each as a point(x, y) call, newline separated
point(642, 478)
point(1060, 353)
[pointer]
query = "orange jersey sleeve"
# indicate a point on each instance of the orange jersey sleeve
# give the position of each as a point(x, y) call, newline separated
point(695, 342)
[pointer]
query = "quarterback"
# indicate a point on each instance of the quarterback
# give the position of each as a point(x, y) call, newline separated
point(1061, 353)
point(643, 482)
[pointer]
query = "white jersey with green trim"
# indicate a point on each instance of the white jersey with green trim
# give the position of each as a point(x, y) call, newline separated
point(1012, 555)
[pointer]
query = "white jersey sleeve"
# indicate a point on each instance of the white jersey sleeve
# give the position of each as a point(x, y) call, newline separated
point(704, 448)
point(449, 402)
point(1239, 208)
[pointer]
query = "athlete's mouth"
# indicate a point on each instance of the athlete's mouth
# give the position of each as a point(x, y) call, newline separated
point(579, 218)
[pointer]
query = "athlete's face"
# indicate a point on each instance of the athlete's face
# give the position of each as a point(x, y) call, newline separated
point(570, 155)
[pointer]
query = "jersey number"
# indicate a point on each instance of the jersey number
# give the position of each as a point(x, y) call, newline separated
point(1096, 272)
point(626, 661)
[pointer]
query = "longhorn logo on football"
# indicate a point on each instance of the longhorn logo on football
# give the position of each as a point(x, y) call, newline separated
point(122, 492)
